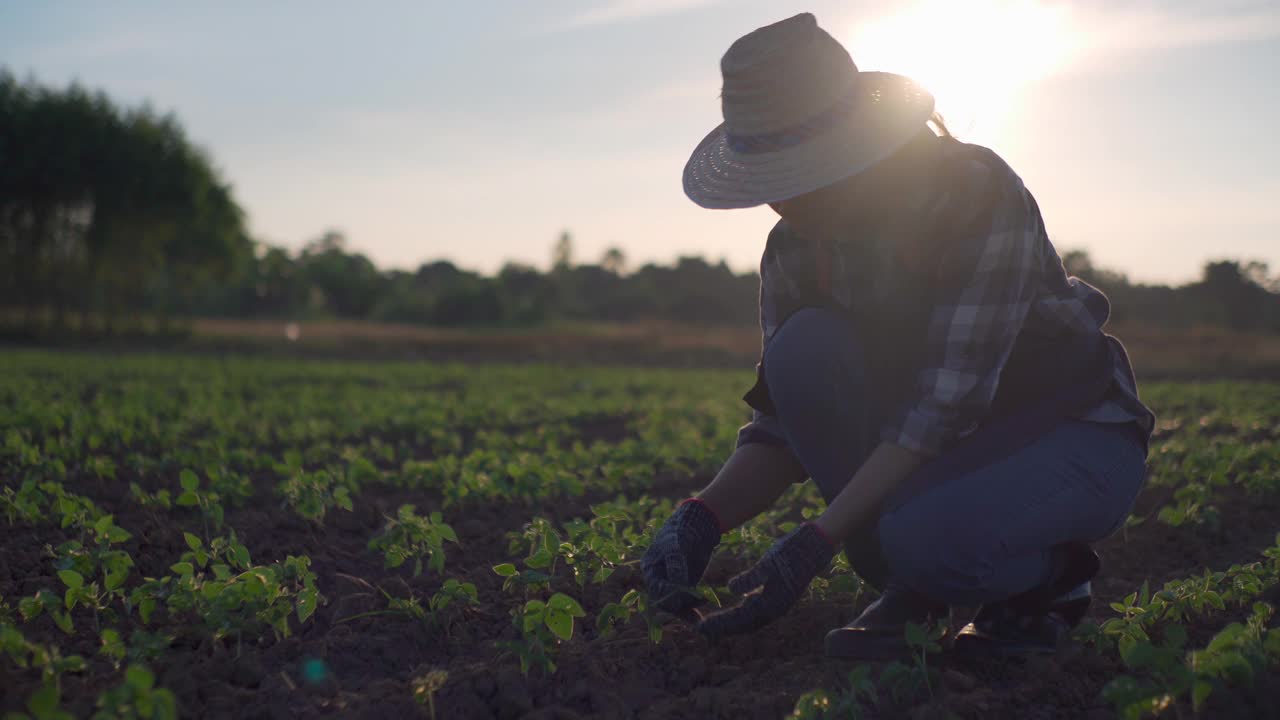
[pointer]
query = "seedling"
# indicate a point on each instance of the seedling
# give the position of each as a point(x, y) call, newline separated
point(426, 686)
point(207, 501)
point(138, 697)
point(411, 536)
point(543, 625)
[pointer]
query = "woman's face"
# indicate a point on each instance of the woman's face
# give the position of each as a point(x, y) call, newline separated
point(880, 191)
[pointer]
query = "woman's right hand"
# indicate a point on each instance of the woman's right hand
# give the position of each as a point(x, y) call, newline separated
point(678, 556)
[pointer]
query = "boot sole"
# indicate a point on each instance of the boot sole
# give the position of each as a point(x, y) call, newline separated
point(860, 645)
point(977, 646)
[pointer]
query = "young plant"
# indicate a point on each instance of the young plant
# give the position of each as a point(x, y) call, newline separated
point(411, 536)
point(32, 606)
point(207, 501)
point(1235, 656)
point(47, 659)
point(137, 697)
point(78, 564)
point(543, 625)
point(906, 681)
point(847, 705)
point(43, 704)
point(426, 686)
point(632, 603)
point(158, 500)
point(311, 494)
point(442, 610)
point(231, 603)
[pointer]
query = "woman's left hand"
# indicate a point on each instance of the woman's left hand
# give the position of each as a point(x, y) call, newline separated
point(774, 584)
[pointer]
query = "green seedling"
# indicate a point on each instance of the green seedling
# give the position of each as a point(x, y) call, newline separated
point(543, 625)
point(426, 686)
point(207, 501)
point(137, 697)
point(906, 681)
point(411, 536)
point(442, 610)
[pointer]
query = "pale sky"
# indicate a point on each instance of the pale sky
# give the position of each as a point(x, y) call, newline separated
point(1149, 132)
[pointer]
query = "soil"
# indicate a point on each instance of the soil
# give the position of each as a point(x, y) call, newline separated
point(364, 668)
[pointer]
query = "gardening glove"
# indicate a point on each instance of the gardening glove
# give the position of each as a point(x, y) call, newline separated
point(775, 583)
point(678, 556)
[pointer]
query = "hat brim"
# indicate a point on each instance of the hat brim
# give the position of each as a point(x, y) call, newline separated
point(893, 108)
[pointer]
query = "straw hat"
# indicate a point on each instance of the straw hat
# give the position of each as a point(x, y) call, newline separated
point(798, 115)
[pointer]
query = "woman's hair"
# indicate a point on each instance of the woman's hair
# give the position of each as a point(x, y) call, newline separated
point(940, 126)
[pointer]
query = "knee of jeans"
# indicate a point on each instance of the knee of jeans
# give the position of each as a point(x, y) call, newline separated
point(948, 561)
point(812, 352)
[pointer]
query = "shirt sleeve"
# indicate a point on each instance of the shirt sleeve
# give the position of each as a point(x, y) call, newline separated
point(972, 327)
point(763, 427)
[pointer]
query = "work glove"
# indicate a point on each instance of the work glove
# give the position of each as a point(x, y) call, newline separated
point(774, 584)
point(678, 556)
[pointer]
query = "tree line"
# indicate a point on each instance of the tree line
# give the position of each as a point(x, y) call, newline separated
point(110, 214)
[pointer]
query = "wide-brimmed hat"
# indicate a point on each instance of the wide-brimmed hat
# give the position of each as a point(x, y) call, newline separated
point(798, 115)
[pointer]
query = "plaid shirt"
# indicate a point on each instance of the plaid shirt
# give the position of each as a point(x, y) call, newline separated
point(1016, 284)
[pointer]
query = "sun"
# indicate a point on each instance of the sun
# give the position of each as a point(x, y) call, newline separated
point(975, 57)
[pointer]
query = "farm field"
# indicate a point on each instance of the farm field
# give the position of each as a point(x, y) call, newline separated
point(190, 536)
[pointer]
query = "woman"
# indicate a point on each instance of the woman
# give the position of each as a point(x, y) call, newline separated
point(926, 361)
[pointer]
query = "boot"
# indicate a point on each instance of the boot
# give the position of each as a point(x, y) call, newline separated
point(1040, 620)
point(879, 632)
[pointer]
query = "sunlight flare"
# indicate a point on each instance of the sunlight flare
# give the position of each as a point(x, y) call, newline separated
point(975, 57)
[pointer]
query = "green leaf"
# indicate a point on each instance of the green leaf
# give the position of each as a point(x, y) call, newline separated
point(505, 569)
point(560, 623)
point(185, 569)
point(114, 578)
point(62, 620)
point(145, 608)
point(916, 635)
point(44, 701)
point(1199, 693)
point(30, 607)
point(139, 677)
point(71, 578)
point(343, 499)
point(534, 610)
point(193, 542)
point(189, 482)
point(306, 604)
point(564, 603)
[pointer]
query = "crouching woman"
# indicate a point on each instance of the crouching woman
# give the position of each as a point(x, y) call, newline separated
point(926, 362)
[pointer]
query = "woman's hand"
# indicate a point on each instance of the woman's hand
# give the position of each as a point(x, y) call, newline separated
point(678, 556)
point(781, 576)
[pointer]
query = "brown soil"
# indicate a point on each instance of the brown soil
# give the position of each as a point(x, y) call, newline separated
point(369, 663)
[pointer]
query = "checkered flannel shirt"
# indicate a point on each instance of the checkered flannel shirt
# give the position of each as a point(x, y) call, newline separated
point(1018, 284)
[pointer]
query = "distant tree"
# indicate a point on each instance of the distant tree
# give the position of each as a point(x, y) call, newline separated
point(562, 252)
point(1233, 292)
point(106, 210)
point(614, 261)
point(1079, 264)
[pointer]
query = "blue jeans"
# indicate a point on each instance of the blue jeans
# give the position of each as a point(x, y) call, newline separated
point(971, 539)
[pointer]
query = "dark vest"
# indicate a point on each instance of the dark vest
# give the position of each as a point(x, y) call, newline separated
point(1045, 379)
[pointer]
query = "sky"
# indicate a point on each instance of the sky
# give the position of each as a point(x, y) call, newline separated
point(1149, 132)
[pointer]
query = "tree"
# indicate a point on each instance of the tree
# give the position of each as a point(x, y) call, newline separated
point(614, 261)
point(562, 252)
point(106, 210)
